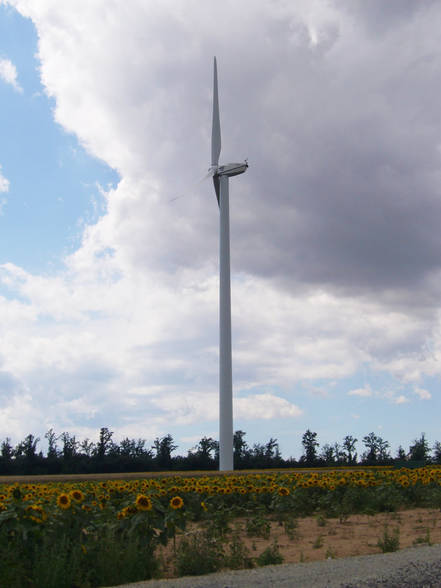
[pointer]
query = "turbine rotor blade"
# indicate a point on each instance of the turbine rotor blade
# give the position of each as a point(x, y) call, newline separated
point(216, 182)
point(215, 130)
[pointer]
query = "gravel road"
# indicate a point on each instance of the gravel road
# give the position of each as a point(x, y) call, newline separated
point(417, 567)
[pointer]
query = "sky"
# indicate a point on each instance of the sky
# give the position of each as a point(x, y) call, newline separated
point(109, 241)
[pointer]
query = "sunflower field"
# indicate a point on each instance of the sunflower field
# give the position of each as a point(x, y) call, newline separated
point(102, 533)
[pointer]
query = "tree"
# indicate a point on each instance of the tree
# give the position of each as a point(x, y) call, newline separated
point(401, 454)
point(338, 453)
point(371, 444)
point(349, 453)
point(257, 454)
point(272, 452)
point(28, 447)
point(70, 446)
point(310, 444)
point(204, 448)
point(383, 450)
point(87, 447)
point(6, 455)
point(133, 448)
point(328, 454)
point(377, 449)
point(420, 450)
point(52, 451)
point(240, 448)
point(437, 452)
point(7, 451)
point(105, 442)
point(164, 447)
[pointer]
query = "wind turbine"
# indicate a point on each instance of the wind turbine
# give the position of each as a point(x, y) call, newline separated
point(221, 175)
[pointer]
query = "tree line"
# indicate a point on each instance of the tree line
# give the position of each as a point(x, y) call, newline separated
point(66, 454)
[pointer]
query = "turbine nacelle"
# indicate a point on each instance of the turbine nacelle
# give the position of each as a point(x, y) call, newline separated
point(229, 170)
point(232, 169)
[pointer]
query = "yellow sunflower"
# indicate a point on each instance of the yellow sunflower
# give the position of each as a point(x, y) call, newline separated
point(283, 491)
point(143, 502)
point(176, 502)
point(76, 495)
point(63, 501)
point(36, 513)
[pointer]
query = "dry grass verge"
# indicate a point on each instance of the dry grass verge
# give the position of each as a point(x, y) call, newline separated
point(317, 538)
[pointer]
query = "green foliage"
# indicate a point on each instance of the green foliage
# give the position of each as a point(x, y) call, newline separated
point(237, 556)
point(199, 554)
point(389, 541)
point(310, 444)
point(424, 540)
point(271, 555)
point(219, 522)
point(110, 558)
point(420, 449)
point(131, 455)
point(258, 526)
point(290, 525)
point(330, 553)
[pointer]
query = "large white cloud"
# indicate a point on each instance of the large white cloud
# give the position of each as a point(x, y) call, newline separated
point(335, 238)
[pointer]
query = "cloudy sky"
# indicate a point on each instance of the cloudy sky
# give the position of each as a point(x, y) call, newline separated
point(109, 242)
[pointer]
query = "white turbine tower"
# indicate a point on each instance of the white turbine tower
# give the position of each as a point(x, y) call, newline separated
point(220, 179)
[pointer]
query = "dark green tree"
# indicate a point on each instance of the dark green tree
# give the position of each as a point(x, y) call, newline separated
point(377, 449)
point(420, 449)
point(28, 447)
point(401, 454)
point(105, 443)
point(349, 452)
point(204, 450)
point(437, 452)
point(310, 445)
point(52, 451)
point(272, 453)
point(7, 450)
point(70, 446)
point(6, 456)
point(327, 454)
point(241, 450)
point(164, 447)
point(87, 447)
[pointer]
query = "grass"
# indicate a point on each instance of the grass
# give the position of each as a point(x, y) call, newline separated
point(389, 542)
point(270, 556)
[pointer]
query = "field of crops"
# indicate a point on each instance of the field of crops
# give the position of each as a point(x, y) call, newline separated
point(96, 533)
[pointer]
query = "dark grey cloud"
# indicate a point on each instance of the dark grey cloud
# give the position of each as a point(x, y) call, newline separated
point(340, 121)
point(343, 190)
point(378, 16)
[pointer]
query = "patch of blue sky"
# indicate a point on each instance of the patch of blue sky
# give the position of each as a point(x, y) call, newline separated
point(54, 183)
point(382, 403)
